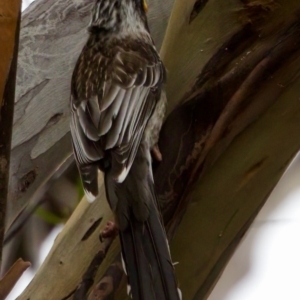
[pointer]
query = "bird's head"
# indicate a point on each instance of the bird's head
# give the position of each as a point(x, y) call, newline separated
point(110, 15)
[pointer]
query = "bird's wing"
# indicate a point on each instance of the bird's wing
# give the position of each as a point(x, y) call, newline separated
point(111, 105)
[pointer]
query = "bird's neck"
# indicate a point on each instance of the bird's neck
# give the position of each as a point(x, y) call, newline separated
point(132, 23)
point(120, 18)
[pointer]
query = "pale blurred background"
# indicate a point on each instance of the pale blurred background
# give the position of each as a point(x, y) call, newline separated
point(25, 3)
point(267, 263)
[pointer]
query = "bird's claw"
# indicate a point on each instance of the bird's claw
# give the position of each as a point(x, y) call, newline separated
point(110, 231)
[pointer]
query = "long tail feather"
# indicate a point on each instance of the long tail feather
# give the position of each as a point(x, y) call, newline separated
point(144, 244)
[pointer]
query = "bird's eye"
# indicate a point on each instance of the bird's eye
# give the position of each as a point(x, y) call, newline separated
point(145, 5)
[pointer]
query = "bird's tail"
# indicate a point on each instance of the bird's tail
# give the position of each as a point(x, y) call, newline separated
point(143, 239)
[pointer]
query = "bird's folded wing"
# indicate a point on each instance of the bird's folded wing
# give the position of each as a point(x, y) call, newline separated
point(111, 104)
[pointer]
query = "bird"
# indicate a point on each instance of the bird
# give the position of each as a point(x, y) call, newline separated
point(117, 107)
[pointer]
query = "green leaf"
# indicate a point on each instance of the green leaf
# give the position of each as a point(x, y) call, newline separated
point(48, 216)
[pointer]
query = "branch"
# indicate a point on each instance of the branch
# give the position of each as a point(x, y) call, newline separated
point(89, 276)
point(231, 110)
point(9, 42)
point(109, 284)
point(12, 276)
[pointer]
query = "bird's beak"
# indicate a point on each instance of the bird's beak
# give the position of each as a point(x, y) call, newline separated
point(145, 6)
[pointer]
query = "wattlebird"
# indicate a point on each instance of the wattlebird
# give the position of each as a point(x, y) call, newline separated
point(117, 107)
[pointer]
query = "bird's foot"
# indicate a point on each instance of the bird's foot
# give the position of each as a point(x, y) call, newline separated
point(111, 230)
point(156, 153)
